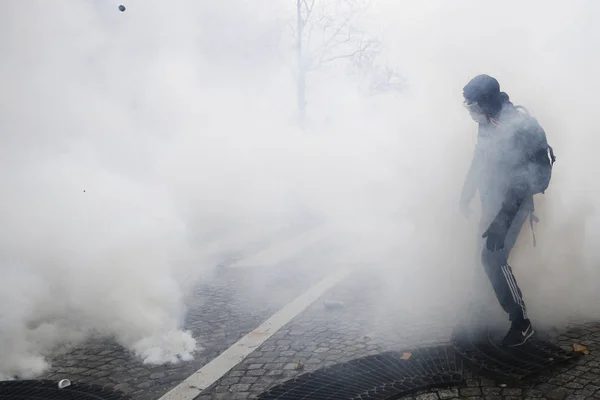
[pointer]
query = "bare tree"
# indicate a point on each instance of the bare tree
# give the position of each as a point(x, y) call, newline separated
point(303, 12)
point(375, 74)
point(326, 32)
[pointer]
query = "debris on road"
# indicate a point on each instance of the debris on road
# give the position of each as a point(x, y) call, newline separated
point(578, 348)
point(63, 383)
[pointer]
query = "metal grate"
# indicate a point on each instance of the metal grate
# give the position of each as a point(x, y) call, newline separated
point(389, 376)
point(48, 390)
point(383, 376)
point(481, 351)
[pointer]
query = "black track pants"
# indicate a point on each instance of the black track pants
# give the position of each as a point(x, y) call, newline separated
point(500, 273)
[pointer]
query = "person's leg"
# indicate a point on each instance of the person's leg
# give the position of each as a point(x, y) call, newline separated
point(503, 280)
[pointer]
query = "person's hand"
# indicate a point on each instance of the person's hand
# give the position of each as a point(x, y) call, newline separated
point(495, 234)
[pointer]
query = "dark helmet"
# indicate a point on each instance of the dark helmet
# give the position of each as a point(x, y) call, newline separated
point(485, 91)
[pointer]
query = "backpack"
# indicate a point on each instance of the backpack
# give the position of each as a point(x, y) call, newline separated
point(543, 157)
point(540, 170)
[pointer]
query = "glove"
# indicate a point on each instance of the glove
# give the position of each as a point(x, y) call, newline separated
point(495, 234)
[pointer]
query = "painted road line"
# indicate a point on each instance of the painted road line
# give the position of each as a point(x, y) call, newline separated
point(214, 370)
point(285, 249)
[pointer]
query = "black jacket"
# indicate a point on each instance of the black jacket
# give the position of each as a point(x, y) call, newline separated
point(504, 165)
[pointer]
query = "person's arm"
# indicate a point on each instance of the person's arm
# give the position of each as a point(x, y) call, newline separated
point(532, 144)
point(515, 195)
point(517, 190)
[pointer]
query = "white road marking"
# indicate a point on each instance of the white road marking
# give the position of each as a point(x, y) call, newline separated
point(211, 372)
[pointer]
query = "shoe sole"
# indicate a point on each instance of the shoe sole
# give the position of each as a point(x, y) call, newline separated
point(525, 339)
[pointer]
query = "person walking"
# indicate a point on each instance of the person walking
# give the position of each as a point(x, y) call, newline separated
point(512, 162)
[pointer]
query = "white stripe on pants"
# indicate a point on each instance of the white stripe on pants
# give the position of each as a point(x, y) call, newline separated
point(514, 289)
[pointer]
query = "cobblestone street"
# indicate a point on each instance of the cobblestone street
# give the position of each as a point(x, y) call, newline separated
point(220, 313)
point(343, 324)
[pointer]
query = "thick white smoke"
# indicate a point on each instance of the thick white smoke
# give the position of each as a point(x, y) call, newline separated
point(543, 56)
point(133, 142)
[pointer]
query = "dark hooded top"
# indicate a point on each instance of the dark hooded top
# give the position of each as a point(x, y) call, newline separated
point(507, 154)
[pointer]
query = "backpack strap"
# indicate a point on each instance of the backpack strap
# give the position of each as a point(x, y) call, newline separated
point(532, 219)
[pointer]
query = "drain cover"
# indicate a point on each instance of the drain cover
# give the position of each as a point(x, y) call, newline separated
point(481, 351)
point(383, 376)
point(48, 390)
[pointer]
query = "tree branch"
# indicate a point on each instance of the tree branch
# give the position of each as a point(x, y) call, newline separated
point(363, 46)
point(308, 10)
point(350, 55)
point(334, 35)
point(310, 31)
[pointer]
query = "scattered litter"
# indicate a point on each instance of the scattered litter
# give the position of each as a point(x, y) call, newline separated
point(406, 356)
point(502, 385)
point(299, 366)
point(64, 383)
point(577, 348)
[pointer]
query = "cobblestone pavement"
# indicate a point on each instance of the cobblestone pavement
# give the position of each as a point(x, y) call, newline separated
point(351, 320)
point(221, 312)
point(329, 332)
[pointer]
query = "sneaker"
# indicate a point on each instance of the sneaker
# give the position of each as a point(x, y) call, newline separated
point(518, 334)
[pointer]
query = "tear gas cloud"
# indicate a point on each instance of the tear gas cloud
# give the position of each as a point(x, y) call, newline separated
point(134, 143)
